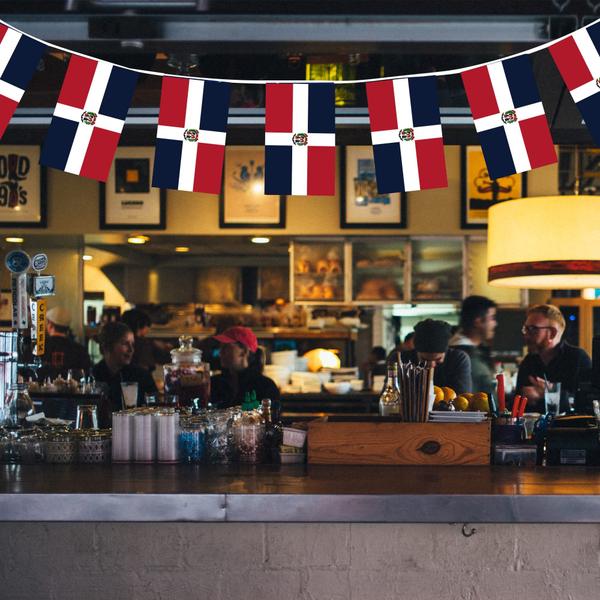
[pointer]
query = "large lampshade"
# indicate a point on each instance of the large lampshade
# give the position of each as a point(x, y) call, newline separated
point(550, 242)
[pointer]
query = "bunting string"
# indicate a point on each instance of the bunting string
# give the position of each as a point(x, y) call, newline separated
point(406, 131)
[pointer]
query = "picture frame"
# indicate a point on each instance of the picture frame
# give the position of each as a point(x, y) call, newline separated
point(243, 203)
point(5, 307)
point(127, 199)
point(479, 192)
point(22, 188)
point(361, 206)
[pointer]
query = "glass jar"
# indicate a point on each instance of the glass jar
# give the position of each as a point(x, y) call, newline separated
point(192, 439)
point(19, 405)
point(30, 447)
point(187, 377)
point(94, 446)
point(249, 437)
point(61, 447)
point(219, 439)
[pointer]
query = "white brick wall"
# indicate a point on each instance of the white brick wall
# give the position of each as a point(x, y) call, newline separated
point(226, 561)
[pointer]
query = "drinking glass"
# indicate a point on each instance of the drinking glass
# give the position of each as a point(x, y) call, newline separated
point(552, 397)
point(87, 416)
point(129, 392)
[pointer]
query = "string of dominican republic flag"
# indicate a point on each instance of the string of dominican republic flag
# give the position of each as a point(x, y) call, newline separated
point(404, 115)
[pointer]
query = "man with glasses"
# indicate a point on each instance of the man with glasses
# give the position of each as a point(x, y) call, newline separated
point(550, 358)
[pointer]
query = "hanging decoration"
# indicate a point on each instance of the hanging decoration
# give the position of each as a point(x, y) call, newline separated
point(190, 138)
point(509, 117)
point(406, 133)
point(578, 61)
point(300, 118)
point(300, 139)
point(19, 56)
point(88, 118)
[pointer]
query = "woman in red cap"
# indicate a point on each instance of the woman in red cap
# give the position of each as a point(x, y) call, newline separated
point(241, 371)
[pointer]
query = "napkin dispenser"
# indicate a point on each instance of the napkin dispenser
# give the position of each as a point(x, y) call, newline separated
point(573, 440)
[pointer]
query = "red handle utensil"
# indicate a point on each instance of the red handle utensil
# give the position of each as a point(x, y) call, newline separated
point(500, 393)
point(515, 406)
point(522, 407)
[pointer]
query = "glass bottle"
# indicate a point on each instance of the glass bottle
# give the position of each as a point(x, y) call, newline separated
point(389, 401)
point(187, 377)
point(19, 405)
point(273, 431)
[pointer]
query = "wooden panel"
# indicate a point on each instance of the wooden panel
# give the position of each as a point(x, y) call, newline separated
point(399, 443)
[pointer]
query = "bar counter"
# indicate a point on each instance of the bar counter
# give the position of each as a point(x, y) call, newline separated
point(299, 493)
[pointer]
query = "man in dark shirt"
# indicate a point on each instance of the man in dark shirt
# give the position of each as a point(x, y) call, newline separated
point(61, 352)
point(550, 358)
point(241, 371)
point(477, 327)
point(452, 367)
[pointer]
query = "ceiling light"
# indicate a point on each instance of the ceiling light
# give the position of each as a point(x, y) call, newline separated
point(87, 257)
point(546, 242)
point(138, 239)
point(182, 249)
point(14, 240)
point(260, 240)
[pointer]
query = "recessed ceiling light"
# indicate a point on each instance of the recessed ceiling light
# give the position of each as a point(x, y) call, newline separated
point(182, 249)
point(14, 240)
point(138, 239)
point(87, 257)
point(260, 240)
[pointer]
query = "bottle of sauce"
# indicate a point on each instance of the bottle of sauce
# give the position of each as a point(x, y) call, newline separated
point(389, 401)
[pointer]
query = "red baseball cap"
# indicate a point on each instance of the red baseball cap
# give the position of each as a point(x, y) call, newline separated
point(241, 335)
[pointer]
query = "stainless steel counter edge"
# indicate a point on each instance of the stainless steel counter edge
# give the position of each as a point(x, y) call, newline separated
point(330, 508)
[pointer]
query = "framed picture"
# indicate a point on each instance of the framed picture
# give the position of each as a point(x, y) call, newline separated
point(5, 307)
point(361, 205)
point(479, 192)
point(243, 203)
point(22, 187)
point(128, 200)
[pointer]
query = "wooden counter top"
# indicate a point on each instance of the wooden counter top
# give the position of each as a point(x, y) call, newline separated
point(299, 493)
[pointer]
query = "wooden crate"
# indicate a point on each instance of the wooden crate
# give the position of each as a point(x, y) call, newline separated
point(364, 443)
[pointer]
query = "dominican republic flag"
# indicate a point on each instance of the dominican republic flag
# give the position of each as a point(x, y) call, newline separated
point(300, 139)
point(88, 118)
point(190, 139)
point(509, 117)
point(19, 56)
point(578, 60)
point(406, 133)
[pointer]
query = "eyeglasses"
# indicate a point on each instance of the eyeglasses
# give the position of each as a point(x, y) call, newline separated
point(533, 328)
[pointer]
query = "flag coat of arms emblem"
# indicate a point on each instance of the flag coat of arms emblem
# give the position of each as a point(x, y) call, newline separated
point(88, 118)
point(19, 56)
point(190, 138)
point(578, 60)
point(509, 117)
point(406, 133)
point(300, 139)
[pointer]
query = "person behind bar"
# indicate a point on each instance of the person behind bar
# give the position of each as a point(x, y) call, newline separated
point(62, 352)
point(477, 328)
point(549, 357)
point(117, 344)
point(146, 352)
point(452, 366)
point(241, 371)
